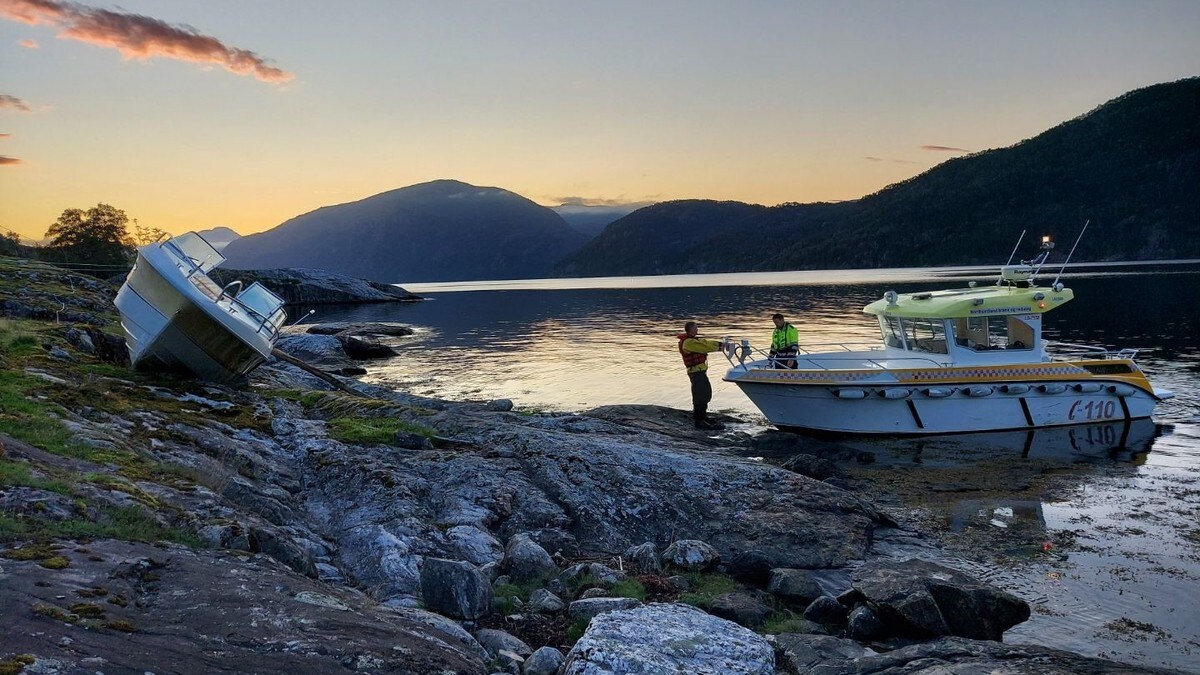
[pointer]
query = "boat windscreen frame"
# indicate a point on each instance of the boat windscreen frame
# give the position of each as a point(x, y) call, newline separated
point(270, 314)
point(194, 251)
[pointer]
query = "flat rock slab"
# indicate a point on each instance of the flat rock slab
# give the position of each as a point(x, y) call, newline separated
point(960, 655)
point(668, 638)
point(123, 607)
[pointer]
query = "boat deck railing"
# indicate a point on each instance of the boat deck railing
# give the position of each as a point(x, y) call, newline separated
point(1068, 351)
point(857, 357)
point(261, 309)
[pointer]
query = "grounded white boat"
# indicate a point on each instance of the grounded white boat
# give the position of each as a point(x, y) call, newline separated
point(175, 317)
point(952, 361)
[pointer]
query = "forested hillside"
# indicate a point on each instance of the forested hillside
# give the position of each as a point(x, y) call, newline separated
point(1131, 167)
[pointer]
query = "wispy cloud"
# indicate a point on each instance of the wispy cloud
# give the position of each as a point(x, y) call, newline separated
point(8, 161)
point(600, 201)
point(4, 136)
point(29, 44)
point(942, 148)
point(10, 102)
point(139, 37)
point(893, 161)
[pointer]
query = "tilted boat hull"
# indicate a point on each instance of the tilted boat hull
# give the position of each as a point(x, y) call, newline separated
point(171, 324)
point(946, 407)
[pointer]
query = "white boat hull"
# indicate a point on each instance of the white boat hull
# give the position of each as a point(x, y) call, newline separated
point(944, 408)
point(170, 323)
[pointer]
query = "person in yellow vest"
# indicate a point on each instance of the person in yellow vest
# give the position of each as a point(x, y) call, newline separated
point(785, 343)
point(695, 351)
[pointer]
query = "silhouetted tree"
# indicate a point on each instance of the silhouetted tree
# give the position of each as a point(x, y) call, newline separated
point(10, 243)
point(147, 235)
point(96, 237)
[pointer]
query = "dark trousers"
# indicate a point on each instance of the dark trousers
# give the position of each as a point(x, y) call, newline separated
point(701, 394)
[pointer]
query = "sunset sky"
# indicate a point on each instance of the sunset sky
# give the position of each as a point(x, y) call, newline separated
point(190, 115)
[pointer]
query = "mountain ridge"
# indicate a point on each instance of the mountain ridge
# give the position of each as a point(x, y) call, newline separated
point(443, 230)
point(1131, 166)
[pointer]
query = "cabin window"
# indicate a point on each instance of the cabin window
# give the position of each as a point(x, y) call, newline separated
point(993, 332)
point(892, 332)
point(925, 335)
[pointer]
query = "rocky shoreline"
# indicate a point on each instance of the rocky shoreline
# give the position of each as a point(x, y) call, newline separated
point(156, 524)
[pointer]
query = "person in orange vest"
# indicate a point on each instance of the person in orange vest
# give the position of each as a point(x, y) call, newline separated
point(695, 351)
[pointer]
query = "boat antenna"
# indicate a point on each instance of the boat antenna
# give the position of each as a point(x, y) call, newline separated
point(1014, 251)
point(303, 317)
point(1064, 265)
point(1000, 281)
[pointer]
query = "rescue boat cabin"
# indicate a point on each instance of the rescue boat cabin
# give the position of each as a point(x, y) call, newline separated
point(978, 325)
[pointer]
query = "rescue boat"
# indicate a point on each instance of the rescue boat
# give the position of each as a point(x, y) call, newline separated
point(951, 361)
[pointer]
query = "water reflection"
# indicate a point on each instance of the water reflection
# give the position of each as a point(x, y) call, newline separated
point(1125, 441)
point(579, 348)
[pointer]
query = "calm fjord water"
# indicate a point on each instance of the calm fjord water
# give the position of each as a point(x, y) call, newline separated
point(1125, 578)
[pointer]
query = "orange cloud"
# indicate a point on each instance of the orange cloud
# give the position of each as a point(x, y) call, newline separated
point(886, 159)
point(942, 148)
point(600, 201)
point(139, 37)
point(28, 44)
point(9, 101)
point(8, 161)
point(4, 135)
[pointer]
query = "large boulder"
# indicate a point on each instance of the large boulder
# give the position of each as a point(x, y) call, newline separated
point(545, 661)
point(586, 609)
point(800, 653)
point(668, 638)
point(644, 558)
point(496, 641)
point(455, 588)
point(793, 585)
point(691, 555)
point(525, 559)
point(362, 349)
point(924, 599)
point(740, 607)
point(308, 286)
point(958, 655)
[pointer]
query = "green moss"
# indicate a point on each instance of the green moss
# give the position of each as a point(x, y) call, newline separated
point(56, 563)
point(123, 625)
point(784, 622)
point(629, 588)
point(13, 473)
point(88, 611)
point(366, 430)
point(706, 587)
point(16, 664)
point(576, 631)
point(52, 612)
point(32, 552)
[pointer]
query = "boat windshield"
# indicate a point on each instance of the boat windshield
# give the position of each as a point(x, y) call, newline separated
point(264, 306)
point(983, 333)
point(195, 251)
point(924, 335)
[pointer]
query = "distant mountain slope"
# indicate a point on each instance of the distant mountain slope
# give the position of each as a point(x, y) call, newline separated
point(439, 231)
point(219, 236)
point(1131, 166)
point(591, 220)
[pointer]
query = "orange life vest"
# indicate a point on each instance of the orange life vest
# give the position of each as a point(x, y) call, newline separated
point(690, 358)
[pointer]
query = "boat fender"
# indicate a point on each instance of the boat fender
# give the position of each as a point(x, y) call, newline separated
point(850, 393)
point(938, 392)
point(1087, 387)
point(1122, 390)
point(1014, 388)
point(894, 393)
point(979, 391)
point(1052, 388)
